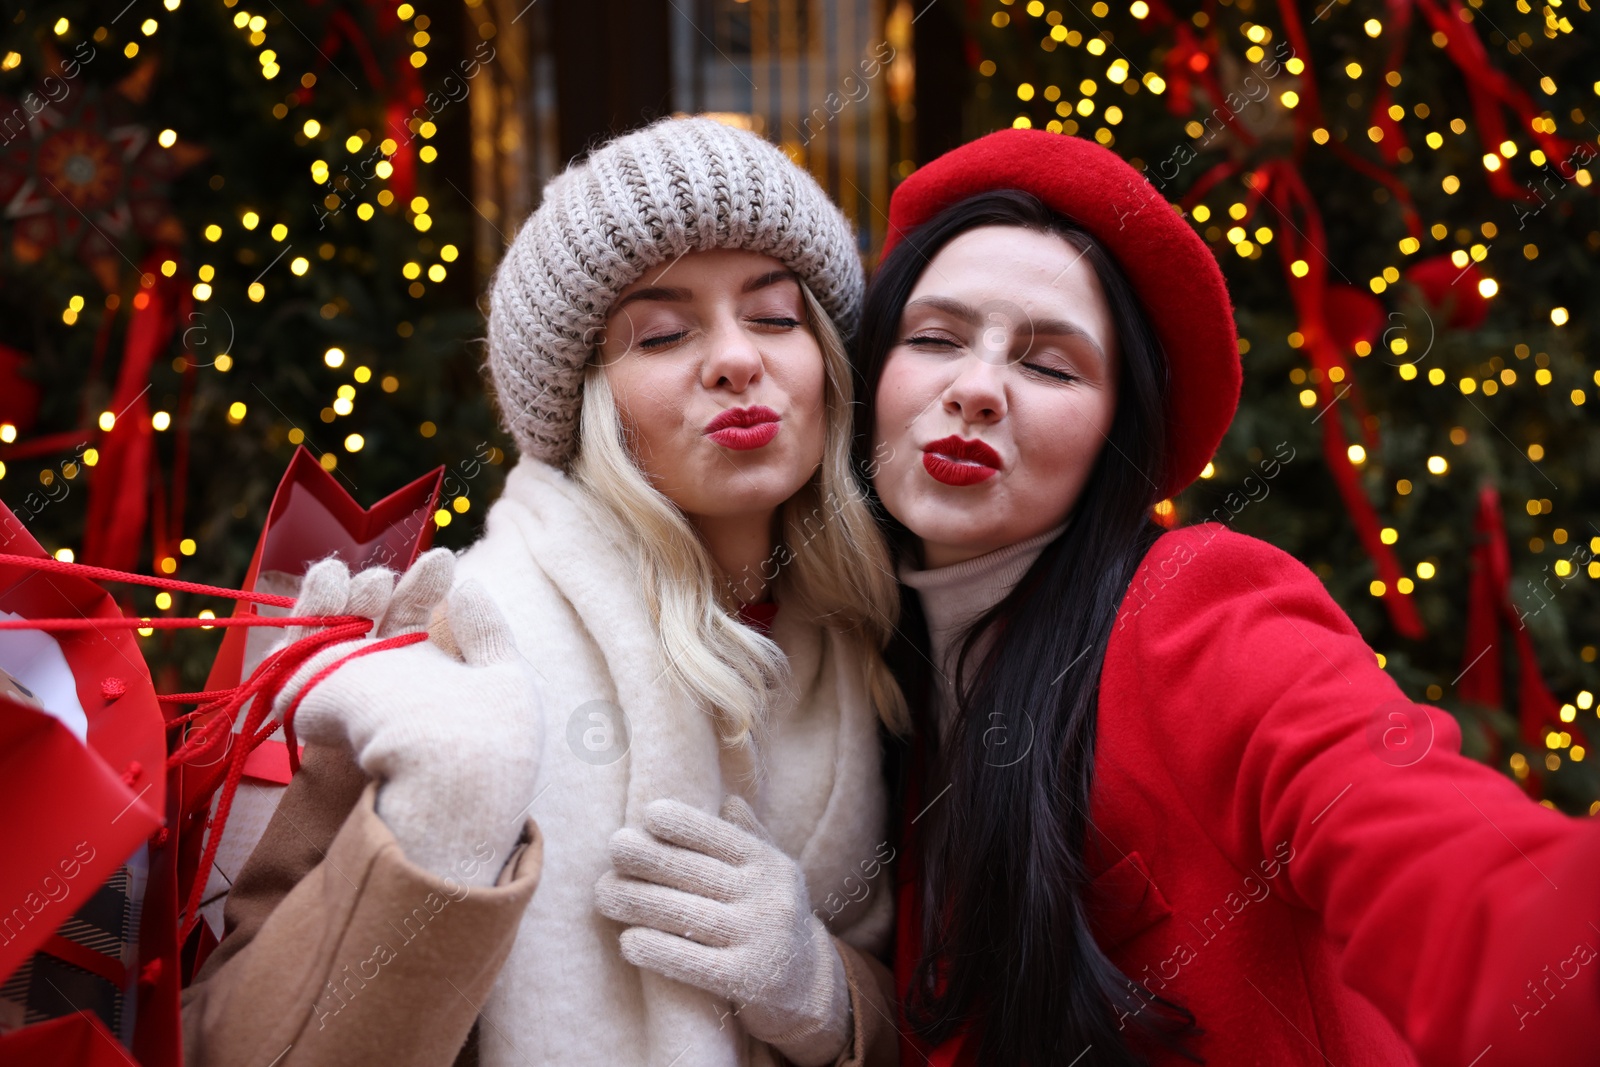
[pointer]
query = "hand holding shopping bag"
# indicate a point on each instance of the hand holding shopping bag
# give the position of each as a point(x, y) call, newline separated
point(451, 726)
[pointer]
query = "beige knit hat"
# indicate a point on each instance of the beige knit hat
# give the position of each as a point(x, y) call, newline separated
point(679, 185)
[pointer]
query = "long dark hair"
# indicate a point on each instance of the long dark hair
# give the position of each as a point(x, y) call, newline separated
point(1005, 923)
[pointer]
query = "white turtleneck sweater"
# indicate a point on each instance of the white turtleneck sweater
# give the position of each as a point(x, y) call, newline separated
point(952, 597)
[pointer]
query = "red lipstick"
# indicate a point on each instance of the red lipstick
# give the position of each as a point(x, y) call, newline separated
point(744, 428)
point(957, 461)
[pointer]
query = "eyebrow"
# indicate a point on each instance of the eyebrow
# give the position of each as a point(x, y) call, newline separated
point(772, 277)
point(1042, 327)
point(674, 294)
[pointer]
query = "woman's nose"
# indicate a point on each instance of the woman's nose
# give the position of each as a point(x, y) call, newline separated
point(734, 358)
point(977, 394)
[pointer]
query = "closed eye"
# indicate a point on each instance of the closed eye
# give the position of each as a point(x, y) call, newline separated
point(930, 341)
point(780, 322)
point(1059, 375)
point(663, 340)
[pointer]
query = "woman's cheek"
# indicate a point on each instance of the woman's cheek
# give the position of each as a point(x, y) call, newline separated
point(647, 422)
point(896, 407)
point(1073, 455)
point(814, 390)
point(900, 487)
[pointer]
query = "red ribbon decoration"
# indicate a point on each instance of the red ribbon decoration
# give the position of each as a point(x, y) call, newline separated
point(1452, 290)
point(1489, 90)
point(403, 180)
point(1309, 116)
point(1398, 28)
point(404, 95)
point(1286, 190)
point(1488, 606)
point(128, 492)
point(119, 494)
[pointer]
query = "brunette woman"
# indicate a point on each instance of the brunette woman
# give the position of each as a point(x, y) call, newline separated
point(1165, 804)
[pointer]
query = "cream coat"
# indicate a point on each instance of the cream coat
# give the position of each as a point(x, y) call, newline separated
point(569, 591)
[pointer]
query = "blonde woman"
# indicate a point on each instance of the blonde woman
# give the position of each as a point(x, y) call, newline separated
point(653, 689)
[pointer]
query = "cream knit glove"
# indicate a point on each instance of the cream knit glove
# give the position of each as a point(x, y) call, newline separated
point(329, 589)
point(715, 904)
point(454, 736)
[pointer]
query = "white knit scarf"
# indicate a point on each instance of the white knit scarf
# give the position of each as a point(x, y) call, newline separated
point(565, 995)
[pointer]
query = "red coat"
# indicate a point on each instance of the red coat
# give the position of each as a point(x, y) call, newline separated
point(1285, 851)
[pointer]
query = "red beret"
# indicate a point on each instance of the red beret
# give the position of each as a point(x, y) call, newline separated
point(1171, 269)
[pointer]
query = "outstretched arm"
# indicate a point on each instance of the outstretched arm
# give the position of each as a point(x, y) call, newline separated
point(1466, 912)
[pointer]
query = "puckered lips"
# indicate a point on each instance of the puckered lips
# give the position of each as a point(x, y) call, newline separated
point(957, 461)
point(744, 428)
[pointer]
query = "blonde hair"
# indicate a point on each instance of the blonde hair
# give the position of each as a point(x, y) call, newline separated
point(830, 563)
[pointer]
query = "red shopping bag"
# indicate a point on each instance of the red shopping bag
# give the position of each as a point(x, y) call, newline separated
point(311, 518)
point(76, 1040)
point(83, 782)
